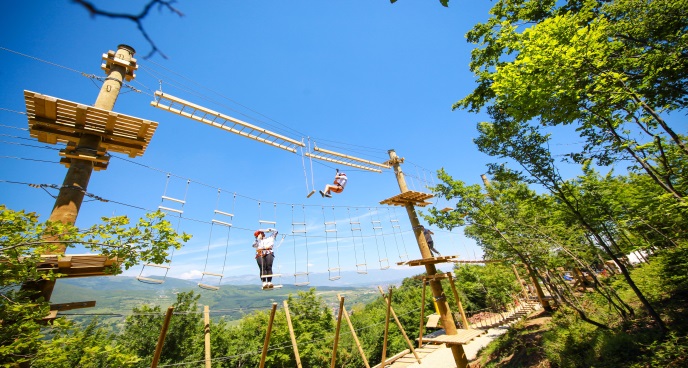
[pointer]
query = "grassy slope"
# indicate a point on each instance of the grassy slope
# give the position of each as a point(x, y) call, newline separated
point(561, 340)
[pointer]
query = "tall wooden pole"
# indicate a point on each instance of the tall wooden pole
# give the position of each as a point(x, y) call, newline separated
point(384, 339)
point(336, 333)
point(292, 335)
point(73, 190)
point(353, 333)
point(71, 195)
point(206, 322)
point(401, 327)
point(435, 285)
point(266, 343)
point(161, 338)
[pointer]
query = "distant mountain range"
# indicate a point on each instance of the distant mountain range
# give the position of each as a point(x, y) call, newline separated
point(119, 295)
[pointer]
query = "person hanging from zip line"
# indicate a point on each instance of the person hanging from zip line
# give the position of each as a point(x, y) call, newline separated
point(265, 254)
point(337, 186)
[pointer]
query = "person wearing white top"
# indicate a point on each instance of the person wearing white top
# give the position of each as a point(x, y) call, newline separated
point(264, 254)
point(337, 187)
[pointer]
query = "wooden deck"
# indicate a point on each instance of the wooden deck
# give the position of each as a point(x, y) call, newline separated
point(406, 358)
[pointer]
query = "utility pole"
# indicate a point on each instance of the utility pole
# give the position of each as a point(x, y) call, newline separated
point(407, 199)
point(89, 133)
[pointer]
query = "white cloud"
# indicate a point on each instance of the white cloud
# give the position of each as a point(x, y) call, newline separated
point(194, 274)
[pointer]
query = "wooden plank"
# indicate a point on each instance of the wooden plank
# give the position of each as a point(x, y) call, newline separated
point(80, 118)
point(72, 305)
point(461, 338)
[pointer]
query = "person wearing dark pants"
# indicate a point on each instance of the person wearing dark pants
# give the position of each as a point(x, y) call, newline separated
point(265, 254)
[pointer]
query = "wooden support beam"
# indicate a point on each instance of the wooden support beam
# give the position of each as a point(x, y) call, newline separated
point(297, 357)
point(266, 343)
point(353, 333)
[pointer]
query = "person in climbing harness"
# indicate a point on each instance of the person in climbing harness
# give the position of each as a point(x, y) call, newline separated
point(337, 187)
point(264, 254)
point(428, 239)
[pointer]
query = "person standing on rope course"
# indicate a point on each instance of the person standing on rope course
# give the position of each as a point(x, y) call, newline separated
point(428, 239)
point(264, 254)
point(339, 184)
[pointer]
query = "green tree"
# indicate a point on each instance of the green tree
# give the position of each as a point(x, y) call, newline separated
point(22, 244)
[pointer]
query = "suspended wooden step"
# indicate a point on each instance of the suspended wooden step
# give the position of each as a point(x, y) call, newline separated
point(204, 285)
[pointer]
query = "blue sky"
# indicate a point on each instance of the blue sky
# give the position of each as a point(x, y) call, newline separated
point(356, 77)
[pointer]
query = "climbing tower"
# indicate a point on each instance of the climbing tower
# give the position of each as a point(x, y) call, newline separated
point(89, 133)
point(408, 199)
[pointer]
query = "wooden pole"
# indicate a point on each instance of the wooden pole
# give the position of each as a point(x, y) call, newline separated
point(71, 195)
point(161, 338)
point(336, 333)
point(422, 316)
point(401, 328)
point(458, 302)
point(384, 341)
point(292, 335)
point(436, 287)
point(518, 277)
point(353, 333)
point(267, 336)
point(206, 321)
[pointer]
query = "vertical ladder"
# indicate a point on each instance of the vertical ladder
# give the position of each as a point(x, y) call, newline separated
point(203, 284)
point(377, 231)
point(301, 278)
point(361, 267)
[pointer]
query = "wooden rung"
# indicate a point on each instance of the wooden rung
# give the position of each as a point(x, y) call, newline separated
point(298, 223)
point(157, 265)
point(302, 273)
point(362, 272)
point(377, 228)
point(331, 223)
point(355, 223)
point(212, 274)
point(173, 199)
point(331, 231)
point(299, 232)
point(335, 278)
point(222, 223)
point(170, 209)
point(375, 221)
point(273, 275)
point(302, 283)
point(334, 269)
point(149, 280)
point(267, 222)
point(208, 287)
point(393, 220)
point(223, 213)
point(355, 229)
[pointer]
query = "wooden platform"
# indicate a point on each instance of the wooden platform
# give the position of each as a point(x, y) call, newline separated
point(406, 358)
point(425, 261)
point(53, 120)
point(78, 265)
point(409, 197)
point(461, 338)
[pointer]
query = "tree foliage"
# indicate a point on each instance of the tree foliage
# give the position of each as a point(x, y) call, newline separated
point(23, 242)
